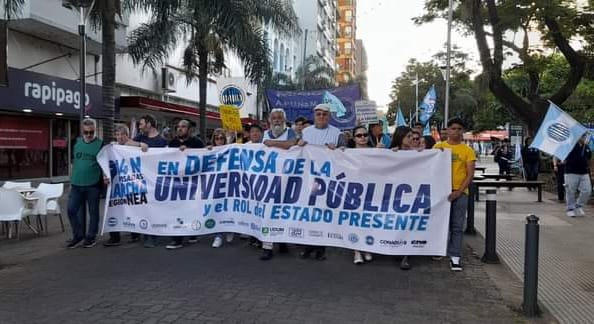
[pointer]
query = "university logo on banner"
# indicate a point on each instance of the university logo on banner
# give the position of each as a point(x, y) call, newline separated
point(558, 133)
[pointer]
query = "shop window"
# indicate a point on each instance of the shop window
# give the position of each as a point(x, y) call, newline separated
point(24, 148)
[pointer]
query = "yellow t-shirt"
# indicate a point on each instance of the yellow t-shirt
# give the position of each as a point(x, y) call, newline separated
point(461, 155)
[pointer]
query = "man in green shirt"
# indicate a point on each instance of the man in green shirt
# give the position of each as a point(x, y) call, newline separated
point(85, 186)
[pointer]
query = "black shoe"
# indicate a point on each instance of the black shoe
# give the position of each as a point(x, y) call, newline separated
point(320, 255)
point(73, 243)
point(266, 255)
point(305, 254)
point(404, 265)
point(89, 243)
point(283, 248)
point(112, 242)
point(134, 239)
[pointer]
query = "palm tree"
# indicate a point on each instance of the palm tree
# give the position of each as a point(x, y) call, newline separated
point(11, 9)
point(208, 29)
point(314, 74)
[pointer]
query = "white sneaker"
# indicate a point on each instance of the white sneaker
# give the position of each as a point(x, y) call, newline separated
point(229, 237)
point(358, 259)
point(367, 256)
point(571, 213)
point(580, 212)
point(218, 241)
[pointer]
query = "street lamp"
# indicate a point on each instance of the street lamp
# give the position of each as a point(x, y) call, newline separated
point(417, 94)
point(82, 5)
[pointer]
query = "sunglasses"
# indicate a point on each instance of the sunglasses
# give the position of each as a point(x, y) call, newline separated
point(361, 135)
point(89, 132)
point(416, 138)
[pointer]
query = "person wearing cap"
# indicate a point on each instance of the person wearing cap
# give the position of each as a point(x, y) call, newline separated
point(321, 133)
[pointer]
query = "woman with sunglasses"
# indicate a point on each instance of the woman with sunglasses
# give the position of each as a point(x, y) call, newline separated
point(361, 140)
point(219, 138)
point(404, 139)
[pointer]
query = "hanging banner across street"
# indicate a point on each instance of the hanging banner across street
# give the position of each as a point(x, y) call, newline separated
point(364, 199)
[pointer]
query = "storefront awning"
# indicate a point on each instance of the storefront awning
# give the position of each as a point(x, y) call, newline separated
point(157, 105)
point(489, 135)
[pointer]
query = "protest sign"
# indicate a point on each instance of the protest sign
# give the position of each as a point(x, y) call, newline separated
point(230, 118)
point(366, 111)
point(370, 200)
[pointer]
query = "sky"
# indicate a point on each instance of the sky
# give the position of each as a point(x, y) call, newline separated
point(391, 38)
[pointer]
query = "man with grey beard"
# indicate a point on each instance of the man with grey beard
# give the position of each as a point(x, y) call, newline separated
point(278, 136)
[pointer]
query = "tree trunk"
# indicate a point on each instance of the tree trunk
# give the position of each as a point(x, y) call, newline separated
point(202, 85)
point(108, 66)
point(3, 54)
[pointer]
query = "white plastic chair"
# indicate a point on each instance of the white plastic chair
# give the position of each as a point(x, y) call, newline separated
point(48, 195)
point(16, 185)
point(13, 209)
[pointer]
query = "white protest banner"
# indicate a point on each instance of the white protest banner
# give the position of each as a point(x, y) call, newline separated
point(365, 199)
point(366, 111)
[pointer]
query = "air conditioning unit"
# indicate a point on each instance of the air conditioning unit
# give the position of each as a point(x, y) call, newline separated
point(168, 80)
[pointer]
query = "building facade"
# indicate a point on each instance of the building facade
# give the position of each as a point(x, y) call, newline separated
point(317, 19)
point(347, 29)
point(360, 57)
point(40, 107)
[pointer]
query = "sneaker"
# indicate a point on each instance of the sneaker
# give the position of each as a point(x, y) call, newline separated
point(192, 240)
point(174, 245)
point(73, 243)
point(305, 254)
point(580, 212)
point(218, 241)
point(229, 237)
point(455, 266)
point(89, 243)
point(111, 242)
point(437, 258)
point(358, 259)
point(571, 213)
point(367, 256)
point(266, 255)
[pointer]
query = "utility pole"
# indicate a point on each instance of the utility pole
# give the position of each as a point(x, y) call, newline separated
point(448, 70)
point(417, 95)
point(83, 66)
point(303, 66)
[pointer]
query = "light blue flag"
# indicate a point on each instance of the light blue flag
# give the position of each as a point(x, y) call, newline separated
point(335, 104)
point(400, 118)
point(427, 130)
point(427, 107)
point(558, 133)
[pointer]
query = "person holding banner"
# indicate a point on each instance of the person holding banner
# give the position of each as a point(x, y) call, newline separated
point(147, 125)
point(283, 137)
point(122, 133)
point(183, 140)
point(219, 139)
point(463, 160)
point(321, 133)
point(577, 177)
point(85, 186)
point(256, 132)
point(361, 136)
point(300, 123)
point(402, 140)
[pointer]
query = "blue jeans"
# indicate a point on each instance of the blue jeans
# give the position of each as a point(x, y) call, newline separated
point(79, 197)
point(457, 221)
point(574, 183)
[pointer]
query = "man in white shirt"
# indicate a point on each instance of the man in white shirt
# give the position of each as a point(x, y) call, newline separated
point(278, 136)
point(321, 133)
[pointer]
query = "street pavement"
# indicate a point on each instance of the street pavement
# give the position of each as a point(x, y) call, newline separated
point(566, 256)
point(44, 283)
